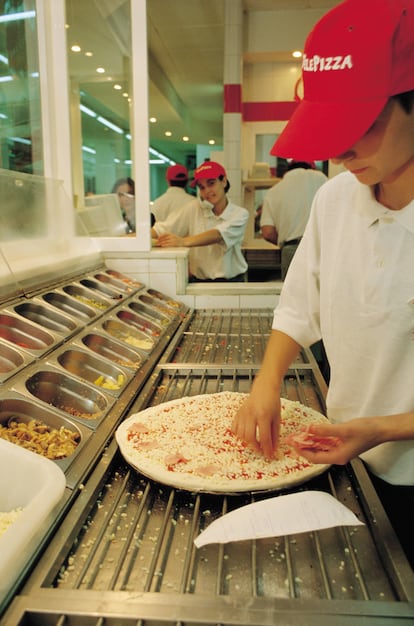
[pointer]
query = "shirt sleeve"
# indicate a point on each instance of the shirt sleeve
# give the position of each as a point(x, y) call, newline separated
point(233, 226)
point(177, 222)
point(298, 311)
point(266, 218)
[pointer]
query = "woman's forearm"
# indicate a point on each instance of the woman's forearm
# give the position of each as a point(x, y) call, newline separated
point(280, 352)
point(206, 238)
point(395, 427)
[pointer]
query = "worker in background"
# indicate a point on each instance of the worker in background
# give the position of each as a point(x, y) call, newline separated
point(175, 196)
point(211, 226)
point(286, 208)
point(124, 188)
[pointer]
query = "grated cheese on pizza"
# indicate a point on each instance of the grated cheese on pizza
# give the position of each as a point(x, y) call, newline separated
point(188, 443)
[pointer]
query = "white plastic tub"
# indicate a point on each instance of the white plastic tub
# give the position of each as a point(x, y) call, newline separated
point(34, 483)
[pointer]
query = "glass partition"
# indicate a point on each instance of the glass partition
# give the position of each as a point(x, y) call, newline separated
point(20, 117)
point(99, 49)
point(37, 241)
point(99, 60)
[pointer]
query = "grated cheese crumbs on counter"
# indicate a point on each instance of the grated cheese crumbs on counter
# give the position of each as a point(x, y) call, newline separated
point(7, 519)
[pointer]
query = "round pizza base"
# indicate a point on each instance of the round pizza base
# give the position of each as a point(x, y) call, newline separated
point(198, 410)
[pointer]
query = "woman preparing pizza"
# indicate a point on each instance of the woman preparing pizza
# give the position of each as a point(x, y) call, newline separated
point(351, 282)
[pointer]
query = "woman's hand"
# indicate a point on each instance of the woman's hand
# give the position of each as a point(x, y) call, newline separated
point(169, 240)
point(258, 419)
point(337, 443)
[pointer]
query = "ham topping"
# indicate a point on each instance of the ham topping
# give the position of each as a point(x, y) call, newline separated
point(308, 441)
point(137, 428)
point(173, 459)
point(206, 470)
point(146, 445)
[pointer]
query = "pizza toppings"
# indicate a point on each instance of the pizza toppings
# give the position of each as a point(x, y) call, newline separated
point(173, 459)
point(137, 428)
point(146, 445)
point(207, 470)
point(214, 456)
point(305, 440)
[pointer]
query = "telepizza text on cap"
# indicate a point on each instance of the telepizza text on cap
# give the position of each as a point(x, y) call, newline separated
point(326, 64)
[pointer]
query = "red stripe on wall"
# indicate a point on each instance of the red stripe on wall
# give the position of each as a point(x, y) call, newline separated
point(232, 99)
point(268, 111)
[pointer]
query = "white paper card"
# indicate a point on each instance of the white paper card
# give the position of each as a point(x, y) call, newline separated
point(283, 515)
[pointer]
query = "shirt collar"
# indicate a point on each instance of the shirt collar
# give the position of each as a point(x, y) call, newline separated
point(209, 212)
point(371, 210)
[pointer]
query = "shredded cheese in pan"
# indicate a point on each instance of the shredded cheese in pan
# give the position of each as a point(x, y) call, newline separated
point(188, 443)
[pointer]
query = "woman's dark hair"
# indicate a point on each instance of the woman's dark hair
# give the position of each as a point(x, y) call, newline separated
point(179, 183)
point(406, 100)
point(303, 165)
point(227, 187)
point(124, 181)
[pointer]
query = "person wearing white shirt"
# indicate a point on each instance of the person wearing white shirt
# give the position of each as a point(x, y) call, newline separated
point(351, 281)
point(211, 226)
point(286, 208)
point(175, 196)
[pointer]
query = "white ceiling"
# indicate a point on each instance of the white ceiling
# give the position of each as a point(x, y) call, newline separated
point(186, 51)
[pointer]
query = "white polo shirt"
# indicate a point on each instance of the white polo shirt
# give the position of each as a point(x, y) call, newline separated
point(352, 283)
point(218, 260)
point(173, 198)
point(286, 206)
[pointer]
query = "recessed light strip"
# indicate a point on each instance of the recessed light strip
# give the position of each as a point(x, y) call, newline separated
point(14, 17)
point(109, 124)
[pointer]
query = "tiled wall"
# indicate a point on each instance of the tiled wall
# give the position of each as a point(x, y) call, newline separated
point(167, 270)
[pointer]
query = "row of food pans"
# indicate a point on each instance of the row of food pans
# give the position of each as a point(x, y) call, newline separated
point(67, 355)
point(31, 327)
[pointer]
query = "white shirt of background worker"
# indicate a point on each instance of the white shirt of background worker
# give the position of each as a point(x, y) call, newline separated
point(211, 226)
point(175, 196)
point(286, 206)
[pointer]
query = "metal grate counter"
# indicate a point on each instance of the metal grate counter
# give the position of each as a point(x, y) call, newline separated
point(124, 553)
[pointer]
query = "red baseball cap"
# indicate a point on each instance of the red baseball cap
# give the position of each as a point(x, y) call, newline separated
point(357, 56)
point(176, 173)
point(208, 169)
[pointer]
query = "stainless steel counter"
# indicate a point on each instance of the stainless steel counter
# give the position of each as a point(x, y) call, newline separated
point(123, 553)
point(73, 356)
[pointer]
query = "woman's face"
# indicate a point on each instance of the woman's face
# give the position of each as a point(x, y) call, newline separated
point(124, 192)
point(212, 189)
point(386, 151)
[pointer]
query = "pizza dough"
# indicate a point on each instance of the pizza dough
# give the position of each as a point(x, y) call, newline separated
point(188, 444)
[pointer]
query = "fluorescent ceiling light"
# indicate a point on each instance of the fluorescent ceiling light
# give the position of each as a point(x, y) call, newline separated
point(88, 111)
point(161, 158)
point(27, 142)
point(109, 124)
point(14, 17)
point(87, 149)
